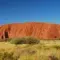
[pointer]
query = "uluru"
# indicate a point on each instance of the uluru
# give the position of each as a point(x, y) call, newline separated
point(34, 29)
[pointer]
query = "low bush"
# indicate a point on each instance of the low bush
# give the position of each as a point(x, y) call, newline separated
point(18, 41)
point(24, 40)
point(31, 40)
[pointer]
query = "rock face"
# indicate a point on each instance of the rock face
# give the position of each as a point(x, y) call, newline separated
point(34, 29)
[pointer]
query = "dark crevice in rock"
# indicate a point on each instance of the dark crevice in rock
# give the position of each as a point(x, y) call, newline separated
point(2, 37)
point(6, 34)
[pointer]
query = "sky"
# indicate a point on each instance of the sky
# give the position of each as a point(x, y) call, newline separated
point(18, 11)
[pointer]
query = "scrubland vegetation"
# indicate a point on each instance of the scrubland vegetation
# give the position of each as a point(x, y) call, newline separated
point(29, 48)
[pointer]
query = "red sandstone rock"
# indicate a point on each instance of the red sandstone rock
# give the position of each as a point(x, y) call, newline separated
point(34, 29)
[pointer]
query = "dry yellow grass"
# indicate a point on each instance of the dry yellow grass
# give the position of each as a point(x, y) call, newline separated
point(40, 51)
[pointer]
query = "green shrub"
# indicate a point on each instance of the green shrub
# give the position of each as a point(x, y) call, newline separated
point(18, 41)
point(24, 40)
point(31, 40)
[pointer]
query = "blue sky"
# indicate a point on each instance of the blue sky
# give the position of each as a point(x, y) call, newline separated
point(15, 11)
